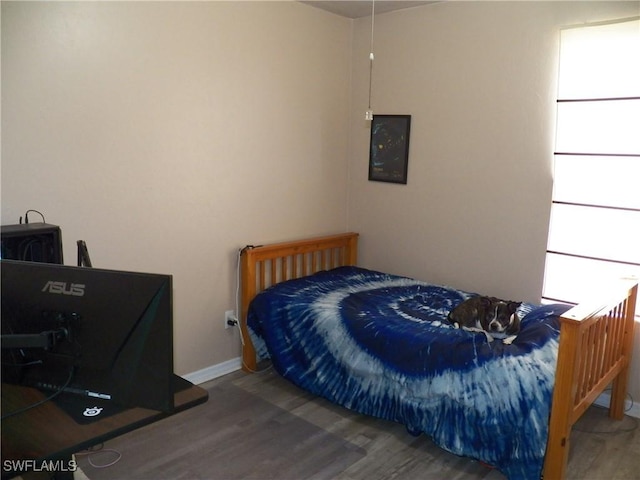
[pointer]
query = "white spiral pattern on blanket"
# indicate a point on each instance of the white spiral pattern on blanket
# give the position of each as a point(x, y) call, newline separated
point(496, 410)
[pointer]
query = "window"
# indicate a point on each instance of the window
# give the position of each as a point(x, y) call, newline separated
point(594, 231)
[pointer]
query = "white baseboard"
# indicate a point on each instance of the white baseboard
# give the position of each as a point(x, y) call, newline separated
point(631, 408)
point(214, 371)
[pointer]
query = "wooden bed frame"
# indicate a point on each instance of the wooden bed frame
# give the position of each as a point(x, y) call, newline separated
point(596, 340)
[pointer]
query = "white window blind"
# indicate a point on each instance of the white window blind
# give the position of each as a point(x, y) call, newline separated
point(594, 233)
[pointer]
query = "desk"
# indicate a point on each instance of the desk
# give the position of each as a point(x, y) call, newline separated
point(46, 433)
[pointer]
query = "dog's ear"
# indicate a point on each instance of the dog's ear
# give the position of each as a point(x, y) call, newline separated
point(486, 301)
point(513, 306)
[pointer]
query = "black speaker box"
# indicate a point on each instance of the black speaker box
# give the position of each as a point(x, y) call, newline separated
point(32, 242)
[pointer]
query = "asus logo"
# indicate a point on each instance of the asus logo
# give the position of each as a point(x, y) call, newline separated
point(62, 288)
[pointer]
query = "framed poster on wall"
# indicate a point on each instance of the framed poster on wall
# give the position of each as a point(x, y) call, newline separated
point(389, 149)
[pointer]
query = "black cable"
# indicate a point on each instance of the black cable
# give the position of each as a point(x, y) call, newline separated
point(26, 248)
point(26, 216)
point(25, 364)
point(41, 402)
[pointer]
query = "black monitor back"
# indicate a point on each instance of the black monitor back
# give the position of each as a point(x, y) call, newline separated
point(120, 328)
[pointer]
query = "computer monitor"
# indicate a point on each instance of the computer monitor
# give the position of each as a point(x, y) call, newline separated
point(102, 334)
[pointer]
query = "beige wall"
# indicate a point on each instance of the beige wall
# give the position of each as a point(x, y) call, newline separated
point(479, 79)
point(168, 134)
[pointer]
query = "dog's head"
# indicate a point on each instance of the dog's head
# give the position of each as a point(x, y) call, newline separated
point(501, 316)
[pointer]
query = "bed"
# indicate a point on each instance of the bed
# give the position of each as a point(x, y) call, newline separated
point(380, 344)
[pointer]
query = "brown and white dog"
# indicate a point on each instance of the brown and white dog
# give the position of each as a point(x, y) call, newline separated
point(488, 315)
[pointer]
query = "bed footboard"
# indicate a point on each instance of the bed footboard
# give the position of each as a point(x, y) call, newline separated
point(596, 344)
point(264, 266)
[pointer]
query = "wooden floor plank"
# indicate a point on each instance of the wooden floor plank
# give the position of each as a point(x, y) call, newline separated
point(194, 444)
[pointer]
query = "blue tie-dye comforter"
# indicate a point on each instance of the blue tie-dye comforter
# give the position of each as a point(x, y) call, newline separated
point(381, 345)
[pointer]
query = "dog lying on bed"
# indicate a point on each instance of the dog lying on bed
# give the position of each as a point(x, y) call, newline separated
point(487, 315)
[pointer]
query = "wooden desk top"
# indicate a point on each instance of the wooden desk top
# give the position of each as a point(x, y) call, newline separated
point(48, 433)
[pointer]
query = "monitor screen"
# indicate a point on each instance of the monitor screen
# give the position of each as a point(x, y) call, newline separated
point(107, 334)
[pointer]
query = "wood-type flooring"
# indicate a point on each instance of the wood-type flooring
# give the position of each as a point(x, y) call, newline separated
point(259, 426)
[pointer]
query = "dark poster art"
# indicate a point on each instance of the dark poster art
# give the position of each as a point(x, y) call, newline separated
point(389, 151)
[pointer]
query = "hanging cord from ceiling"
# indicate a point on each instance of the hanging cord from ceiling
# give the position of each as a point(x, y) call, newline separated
point(369, 114)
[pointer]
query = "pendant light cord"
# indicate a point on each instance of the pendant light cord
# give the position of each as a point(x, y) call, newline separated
point(373, 11)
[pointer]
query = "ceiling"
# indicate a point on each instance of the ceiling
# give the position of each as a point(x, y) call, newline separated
point(362, 8)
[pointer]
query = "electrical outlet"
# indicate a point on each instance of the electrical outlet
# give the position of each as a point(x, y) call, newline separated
point(230, 319)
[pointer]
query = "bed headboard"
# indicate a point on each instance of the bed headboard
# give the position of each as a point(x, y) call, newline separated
point(263, 266)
